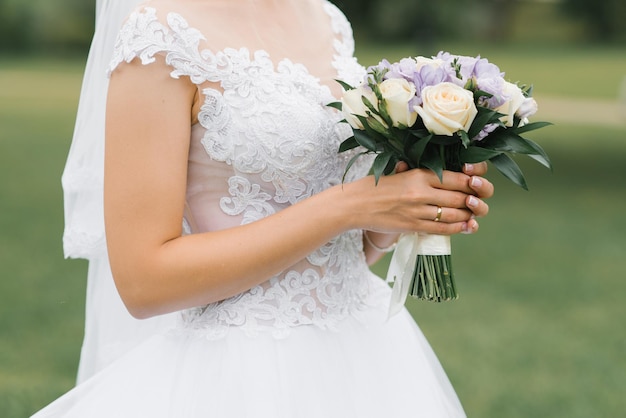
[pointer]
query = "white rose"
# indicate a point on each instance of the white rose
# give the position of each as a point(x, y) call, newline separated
point(423, 62)
point(447, 109)
point(352, 104)
point(515, 99)
point(397, 92)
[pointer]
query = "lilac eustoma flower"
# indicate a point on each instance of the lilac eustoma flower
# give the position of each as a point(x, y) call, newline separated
point(490, 79)
point(487, 129)
point(467, 67)
point(405, 68)
point(493, 86)
point(428, 75)
point(382, 65)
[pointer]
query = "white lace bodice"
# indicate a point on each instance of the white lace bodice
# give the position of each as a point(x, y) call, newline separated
point(264, 140)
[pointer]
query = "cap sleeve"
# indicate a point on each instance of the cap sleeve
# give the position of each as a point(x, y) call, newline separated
point(144, 35)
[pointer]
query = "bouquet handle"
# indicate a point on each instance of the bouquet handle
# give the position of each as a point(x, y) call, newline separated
point(420, 265)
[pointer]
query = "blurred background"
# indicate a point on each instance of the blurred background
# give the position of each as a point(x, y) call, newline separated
point(539, 328)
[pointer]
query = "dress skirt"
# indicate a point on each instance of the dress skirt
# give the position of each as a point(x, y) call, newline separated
point(367, 366)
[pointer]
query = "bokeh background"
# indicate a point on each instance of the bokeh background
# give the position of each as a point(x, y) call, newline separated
point(539, 329)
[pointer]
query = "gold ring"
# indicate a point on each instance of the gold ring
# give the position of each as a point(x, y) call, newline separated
point(439, 212)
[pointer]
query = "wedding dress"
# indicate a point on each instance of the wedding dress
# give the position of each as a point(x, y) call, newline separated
point(313, 341)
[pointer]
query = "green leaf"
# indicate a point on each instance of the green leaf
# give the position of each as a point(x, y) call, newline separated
point(541, 156)
point(377, 126)
point(433, 160)
point(482, 93)
point(465, 140)
point(370, 106)
point(416, 150)
point(420, 133)
point(336, 105)
point(541, 160)
point(365, 141)
point(484, 117)
point(517, 144)
point(391, 165)
point(510, 142)
point(345, 85)
point(477, 154)
point(351, 163)
point(384, 114)
point(531, 127)
point(509, 169)
point(368, 129)
point(348, 144)
point(528, 90)
point(380, 164)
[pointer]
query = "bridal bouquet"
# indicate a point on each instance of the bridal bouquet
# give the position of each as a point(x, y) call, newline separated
point(437, 113)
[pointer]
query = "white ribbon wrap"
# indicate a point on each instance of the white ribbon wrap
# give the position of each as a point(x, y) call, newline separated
point(403, 262)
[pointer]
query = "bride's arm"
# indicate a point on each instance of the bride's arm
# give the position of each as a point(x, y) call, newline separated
point(157, 270)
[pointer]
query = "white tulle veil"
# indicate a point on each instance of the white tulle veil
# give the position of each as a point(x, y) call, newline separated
point(83, 175)
point(109, 329)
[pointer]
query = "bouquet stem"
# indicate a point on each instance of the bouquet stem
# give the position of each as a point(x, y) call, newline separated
point(433, 279)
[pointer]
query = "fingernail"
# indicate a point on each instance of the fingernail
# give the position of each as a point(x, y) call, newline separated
point(465, 229)
point(476, 182)
point(469, 167)
point(472, 202)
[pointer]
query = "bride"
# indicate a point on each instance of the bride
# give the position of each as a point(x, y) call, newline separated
point(225, 211)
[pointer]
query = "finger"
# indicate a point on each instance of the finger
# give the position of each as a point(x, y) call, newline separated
point(470, 227)
point(451, 180)
point(481, 187)
point(476, 169)
point(449, 199)
point(401, 166)
point(467, 227)
point(477, 206)
point(450, 215)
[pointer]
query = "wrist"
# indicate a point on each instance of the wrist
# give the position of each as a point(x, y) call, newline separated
point(386, 247)
point(347, 205)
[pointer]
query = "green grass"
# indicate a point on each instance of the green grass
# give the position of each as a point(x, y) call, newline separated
point(537, 332)
point(41, 295)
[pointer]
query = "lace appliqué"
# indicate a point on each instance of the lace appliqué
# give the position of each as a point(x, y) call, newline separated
point(348, 68)
point(269, 123)
point(246, 198)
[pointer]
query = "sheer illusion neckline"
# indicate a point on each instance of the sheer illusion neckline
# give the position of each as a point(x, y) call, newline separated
point(262, 56)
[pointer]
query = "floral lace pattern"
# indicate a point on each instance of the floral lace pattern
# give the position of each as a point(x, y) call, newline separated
point(267, 127)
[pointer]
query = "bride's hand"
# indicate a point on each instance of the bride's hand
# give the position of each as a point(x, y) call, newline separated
point(409, 201)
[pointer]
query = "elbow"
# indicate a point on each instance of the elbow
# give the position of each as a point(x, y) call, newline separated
point(139, 311)
point(138, 299)
point(139, 286)
point(136, 305)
